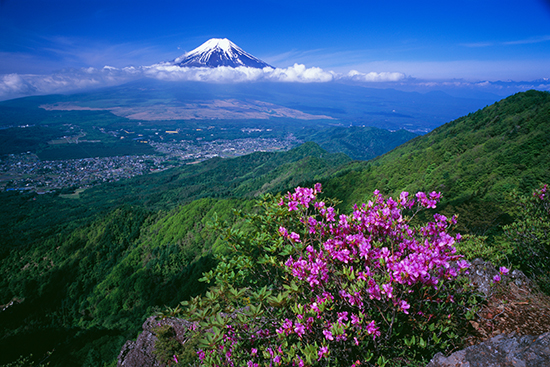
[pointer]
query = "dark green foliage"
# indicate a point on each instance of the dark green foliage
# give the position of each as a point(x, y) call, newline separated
point(90, 150)
point(361, 143)
point(22, 362)
point(530, 237)
point(22, 139)
point(166, 345)
point(105, 276)
point(474, 247)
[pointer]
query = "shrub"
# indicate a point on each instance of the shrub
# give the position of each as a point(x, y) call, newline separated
point(530, 236)
point(305, 286)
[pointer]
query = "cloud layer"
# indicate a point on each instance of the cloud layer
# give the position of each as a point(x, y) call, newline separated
point(17, 85)
point(71, 80)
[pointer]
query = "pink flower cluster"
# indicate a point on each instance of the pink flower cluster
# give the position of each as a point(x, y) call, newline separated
point(541, 193)
point(351, 272)
point(375, 246)
point(301, 197)
point(503, 271)
point(398, 250)
point(313, 270)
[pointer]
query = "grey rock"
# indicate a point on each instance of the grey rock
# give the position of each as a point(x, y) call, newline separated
point(500, 351)
point(481, 275)
point(141, 352)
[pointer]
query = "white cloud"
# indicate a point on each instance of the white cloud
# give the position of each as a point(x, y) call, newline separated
point(374, 77)
point(297, 73)
point(427, 75)
point(217, 75)
point(471, 70)
point(17, 85)
point(11, 83)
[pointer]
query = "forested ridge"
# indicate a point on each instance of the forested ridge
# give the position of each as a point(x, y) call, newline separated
point(474, 161)
point(81, 275)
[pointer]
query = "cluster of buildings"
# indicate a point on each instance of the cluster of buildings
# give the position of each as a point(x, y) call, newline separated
point(27, 172)
point(196, 151)
point(22, 172)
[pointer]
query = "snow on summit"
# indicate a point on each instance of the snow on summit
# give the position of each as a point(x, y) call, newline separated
point(219, 52)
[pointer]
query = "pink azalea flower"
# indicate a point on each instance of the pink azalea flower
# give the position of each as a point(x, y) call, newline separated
point(373, 330)
point(328, 334)
point(299, 329)
point(201, 354)
point(322, 352)
point(404, 306)
point(295, 237)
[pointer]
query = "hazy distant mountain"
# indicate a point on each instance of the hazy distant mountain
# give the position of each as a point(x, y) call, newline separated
point(347, 104)
point(219, 52)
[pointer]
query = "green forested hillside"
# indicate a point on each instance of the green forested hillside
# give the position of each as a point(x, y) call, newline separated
point(361, 143)
point(79, 276)
point(475, 161)
point(100, 280)
point(84, 273)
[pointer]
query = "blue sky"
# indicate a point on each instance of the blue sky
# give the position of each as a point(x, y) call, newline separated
point(428, 41)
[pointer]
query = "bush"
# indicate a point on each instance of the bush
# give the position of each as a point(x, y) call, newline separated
point(530, 236)
point(473, 246)
point(304, 286)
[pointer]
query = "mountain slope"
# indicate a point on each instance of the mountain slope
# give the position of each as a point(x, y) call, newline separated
point(361, 143)
point(475, 161)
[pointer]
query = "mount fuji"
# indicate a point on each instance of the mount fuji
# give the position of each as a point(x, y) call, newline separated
point(219, 52)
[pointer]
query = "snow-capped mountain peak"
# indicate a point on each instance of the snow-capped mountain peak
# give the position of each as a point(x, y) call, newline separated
point(219, 52)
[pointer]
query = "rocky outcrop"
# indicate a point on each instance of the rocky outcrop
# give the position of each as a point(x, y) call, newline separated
point(514, 311)
point(481, 275)
point(139, 353)
point(500, 351)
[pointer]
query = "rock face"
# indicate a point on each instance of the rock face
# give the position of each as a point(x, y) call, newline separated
point(481, 275)
point(139, 353)
point(512, 311)
point(500, 351)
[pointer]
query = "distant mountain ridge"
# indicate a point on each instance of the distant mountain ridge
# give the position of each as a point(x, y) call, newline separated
point(219, 52)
